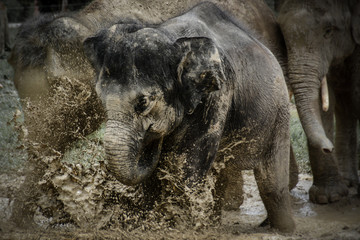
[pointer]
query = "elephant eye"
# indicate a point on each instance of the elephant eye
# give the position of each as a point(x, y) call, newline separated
point(328, 32)
point(142, 104)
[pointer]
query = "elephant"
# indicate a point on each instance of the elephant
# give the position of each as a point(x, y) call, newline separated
point(322, 40)
point(191, 87)
point(47, 56)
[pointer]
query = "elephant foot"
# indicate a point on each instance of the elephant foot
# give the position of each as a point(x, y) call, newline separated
point(286, 226)
point(282, 222)
point(323, 194)
point(351, 182)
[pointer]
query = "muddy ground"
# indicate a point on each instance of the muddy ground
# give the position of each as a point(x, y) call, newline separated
point(83, 190)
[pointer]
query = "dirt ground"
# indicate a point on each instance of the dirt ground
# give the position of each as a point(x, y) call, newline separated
point(339, 220)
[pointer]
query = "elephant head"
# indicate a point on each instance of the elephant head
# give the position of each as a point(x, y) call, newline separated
point(148, 85)
point(318, 34)
point(45, 49)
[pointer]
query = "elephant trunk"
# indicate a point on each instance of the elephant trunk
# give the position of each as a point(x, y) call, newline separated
point(128, 159)
point(305, 81)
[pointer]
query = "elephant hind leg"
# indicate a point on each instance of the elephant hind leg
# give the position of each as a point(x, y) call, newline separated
point(272, 177)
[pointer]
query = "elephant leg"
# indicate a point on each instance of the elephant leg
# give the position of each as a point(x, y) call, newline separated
point(272, 177)
point(229, 189)
point(327, 184)
point(346, 140)
point(229, 184)
point(294, 170)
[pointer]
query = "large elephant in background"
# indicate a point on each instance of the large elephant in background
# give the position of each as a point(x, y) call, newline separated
point(322, 39)
point(191, 86)
point(52, 71)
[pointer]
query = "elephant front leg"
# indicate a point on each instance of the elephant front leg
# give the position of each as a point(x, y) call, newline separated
point(198, 156)
point(327, 184)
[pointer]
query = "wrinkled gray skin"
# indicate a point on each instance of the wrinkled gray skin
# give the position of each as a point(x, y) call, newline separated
point(49, 48)
point(322, 39)
point(196, 84)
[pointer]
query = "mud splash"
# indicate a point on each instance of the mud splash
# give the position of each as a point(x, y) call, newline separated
point(78, 192)
point(95, 199)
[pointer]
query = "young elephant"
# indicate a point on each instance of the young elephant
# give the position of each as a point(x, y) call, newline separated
point(192, 86)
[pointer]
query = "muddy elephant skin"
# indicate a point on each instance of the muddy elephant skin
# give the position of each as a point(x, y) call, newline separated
point(322, 39)
point(196, 84)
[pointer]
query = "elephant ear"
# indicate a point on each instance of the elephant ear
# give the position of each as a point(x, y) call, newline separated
point(355, 22)
point(95, 48)
point(199, 71)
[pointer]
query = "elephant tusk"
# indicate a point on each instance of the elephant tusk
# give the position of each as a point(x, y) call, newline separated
point(324, 94)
